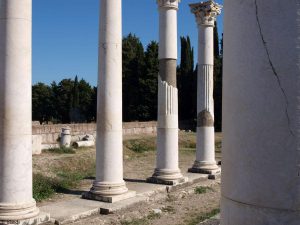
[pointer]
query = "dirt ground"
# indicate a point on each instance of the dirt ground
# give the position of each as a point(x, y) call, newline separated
point(183, 207)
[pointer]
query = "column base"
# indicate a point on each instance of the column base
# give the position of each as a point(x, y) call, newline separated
point(107, 198)
point(23, 214)
point(39, 219)
point(205, 168)
point(167, 177)
point(108, 192)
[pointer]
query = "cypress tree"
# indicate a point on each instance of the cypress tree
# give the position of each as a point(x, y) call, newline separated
point(186, 81)
point(216, 41)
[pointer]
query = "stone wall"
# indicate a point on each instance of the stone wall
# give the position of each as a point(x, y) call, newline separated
point(47, 136)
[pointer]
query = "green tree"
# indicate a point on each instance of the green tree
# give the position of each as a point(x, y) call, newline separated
point(75, 112)
point(85, 102)
point(133, 67)
point(216, 41)
point(187, 82)
point(218, 76)
point(93, 105)
point(42, 104)
point(147, 108)
point(62, 95)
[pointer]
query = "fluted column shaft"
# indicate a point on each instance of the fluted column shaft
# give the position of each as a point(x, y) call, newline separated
point(16, 202)
point(167, 169)
point(205, 155)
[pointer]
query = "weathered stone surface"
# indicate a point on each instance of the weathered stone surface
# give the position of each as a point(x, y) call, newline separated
point(167, 69)
point(261, 123)
point(205, 119)
point(16, 202)
point(65, 137)
point(109, 150)
point(205, 13)
point(36, 144)
point(50, 133)
point(167, 168)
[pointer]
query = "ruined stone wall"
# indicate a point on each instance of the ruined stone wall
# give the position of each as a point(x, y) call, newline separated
point(47, 136)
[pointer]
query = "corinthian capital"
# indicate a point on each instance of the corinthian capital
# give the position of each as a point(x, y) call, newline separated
point(206, 12)
point(173, 4)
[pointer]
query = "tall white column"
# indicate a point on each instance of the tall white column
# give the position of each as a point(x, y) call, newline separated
point(109, 184)
point(16, 202)
point(167, 170)
point(206, 14)
point(261, 113)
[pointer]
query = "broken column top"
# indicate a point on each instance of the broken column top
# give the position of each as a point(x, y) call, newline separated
point(206, 12)
point(173, 4)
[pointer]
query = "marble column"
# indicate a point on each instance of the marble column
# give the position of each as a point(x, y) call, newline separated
point(206, 13)
point(167, 170)
point(261, 122)
point(16, 202)
point(109, 185)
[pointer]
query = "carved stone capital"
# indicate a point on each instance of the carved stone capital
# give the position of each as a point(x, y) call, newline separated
point(173, 4)
point(206, 12)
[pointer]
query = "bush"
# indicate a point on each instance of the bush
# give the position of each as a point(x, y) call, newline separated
point(43, 187)
point(141, 145)
point(61, 150)
point(202, 190)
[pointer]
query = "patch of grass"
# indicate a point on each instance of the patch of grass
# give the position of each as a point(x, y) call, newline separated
point(61, 150)
point(218, 146)
point(187, 142)
point(171, 198)
point(70, 179)
point(141, 221)
point(196, 219)
point(66, 176)
point(153, 216)
point(202, 190)
point(168, 209)
point(140, 145)
point(43, 187)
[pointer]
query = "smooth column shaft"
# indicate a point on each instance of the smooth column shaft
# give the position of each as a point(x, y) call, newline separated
point(16, 200)
point(261, 123)
point(109, 175)
point(167, 33)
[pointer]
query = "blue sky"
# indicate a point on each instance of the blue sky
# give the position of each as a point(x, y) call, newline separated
point(65, 34)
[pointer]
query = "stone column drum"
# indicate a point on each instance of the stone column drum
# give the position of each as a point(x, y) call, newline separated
point(65, 137)
point(109, 185)
point(16, 202)
point(261, 113)
point(167, 170)
point(206, 14)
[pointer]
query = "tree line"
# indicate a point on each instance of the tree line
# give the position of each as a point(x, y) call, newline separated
point(74, 100)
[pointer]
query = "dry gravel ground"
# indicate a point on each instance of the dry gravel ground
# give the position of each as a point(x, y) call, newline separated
point(183, 207)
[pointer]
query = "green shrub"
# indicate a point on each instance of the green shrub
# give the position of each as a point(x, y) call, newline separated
point(43, 187)
point(202, 190)
point(194, 220)
point(61, 150)
point(140, 146)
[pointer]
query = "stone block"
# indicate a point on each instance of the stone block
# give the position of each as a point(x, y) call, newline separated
point(156, 180)
point(36, 144)
point(109, 199)
point(40, 219)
